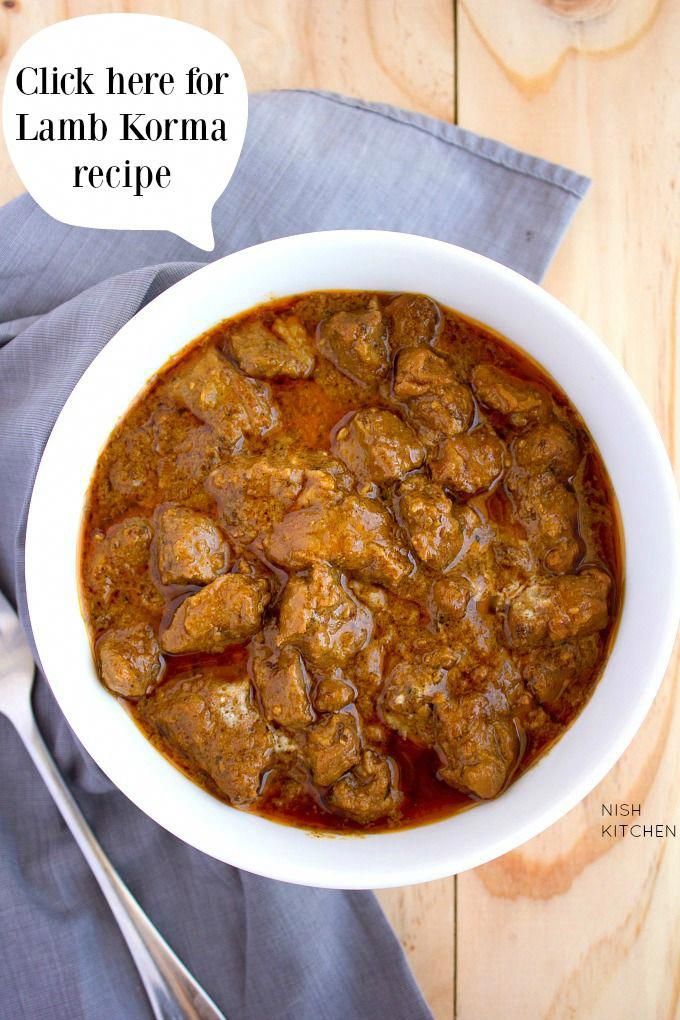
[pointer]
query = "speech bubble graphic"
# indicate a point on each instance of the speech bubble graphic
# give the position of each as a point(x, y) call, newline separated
point(126, 121)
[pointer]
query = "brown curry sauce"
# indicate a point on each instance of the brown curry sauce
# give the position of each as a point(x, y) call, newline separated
point(136, 473)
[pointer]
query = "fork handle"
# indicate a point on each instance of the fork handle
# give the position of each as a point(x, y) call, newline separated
point(173, 992)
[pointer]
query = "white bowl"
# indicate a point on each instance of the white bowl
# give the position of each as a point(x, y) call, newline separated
point(620, 424)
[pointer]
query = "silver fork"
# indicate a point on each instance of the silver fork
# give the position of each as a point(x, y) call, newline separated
point(173, 993)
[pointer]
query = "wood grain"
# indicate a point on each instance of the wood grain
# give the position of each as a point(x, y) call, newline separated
point(570, 925)
point(531, 39)
point(423, 917)
point(394, 51)
point(574, 925)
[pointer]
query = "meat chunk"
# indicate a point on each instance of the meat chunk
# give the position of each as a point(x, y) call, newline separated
point(433, 527)
point(377, 446)
point(434, 396)
point(129, 660)
point(366, 794)
point(547, 447)
point(408, 697)
point(130, 465)
point(191, 548)
point(171, 450)
point(367, 677)
point(117, 575)
point(414, 321)
point(548, 671)
point(451, 595)
point(283, 685)
point(469, 463)
point(520, 401)
point(372, 595)
point(356, 343)
point(549, 513)
point(479, 746)
point(219, 395)
point(226, 612)
point(513, 560)
point(283, 350)
point(216, 726)
point(331, 694)
point(253, 493)
point(369, 544)
point(331, 747)
point(357, 535)
point(559, 608)
point(321, 617)
point(303, 537)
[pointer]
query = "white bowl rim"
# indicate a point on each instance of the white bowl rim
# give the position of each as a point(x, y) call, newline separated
point(385, 859)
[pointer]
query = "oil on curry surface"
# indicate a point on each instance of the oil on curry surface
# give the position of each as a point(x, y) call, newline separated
point(351, 561)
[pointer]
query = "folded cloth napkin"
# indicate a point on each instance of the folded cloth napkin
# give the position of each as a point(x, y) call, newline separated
point(262, 949)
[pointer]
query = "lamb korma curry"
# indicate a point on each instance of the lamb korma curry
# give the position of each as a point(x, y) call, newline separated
point(351, 561)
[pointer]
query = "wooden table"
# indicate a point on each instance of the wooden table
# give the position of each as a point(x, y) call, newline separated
point(571, 925)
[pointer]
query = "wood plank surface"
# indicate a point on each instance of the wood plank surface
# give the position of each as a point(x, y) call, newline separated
point(394, 51)
point(573, 925)
point(570, 925)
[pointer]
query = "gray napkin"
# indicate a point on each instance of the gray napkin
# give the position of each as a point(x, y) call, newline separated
point(262, 949)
